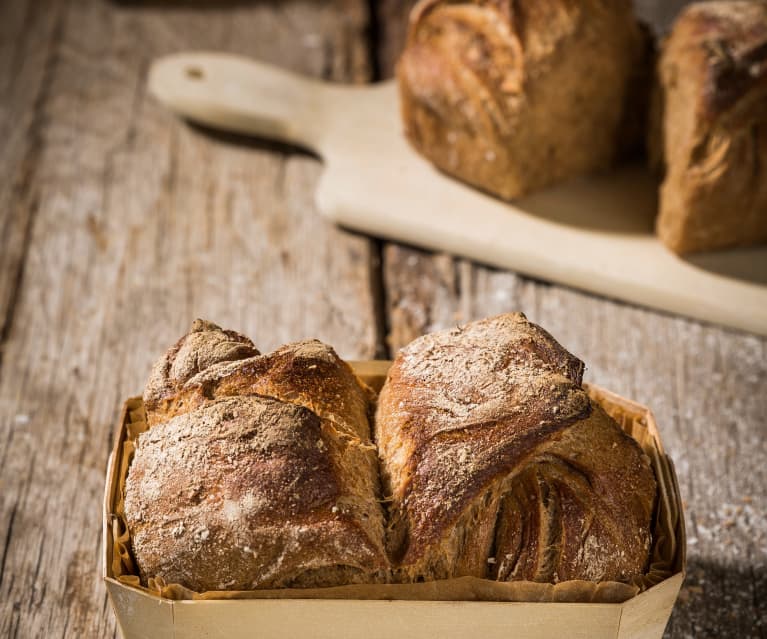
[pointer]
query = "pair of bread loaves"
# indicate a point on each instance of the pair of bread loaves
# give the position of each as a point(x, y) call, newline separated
point(486, 458)
point(514, 96)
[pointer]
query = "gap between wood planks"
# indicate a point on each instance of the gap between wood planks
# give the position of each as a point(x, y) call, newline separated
point(377, 282)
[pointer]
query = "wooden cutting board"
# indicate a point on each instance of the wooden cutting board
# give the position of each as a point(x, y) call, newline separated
point(594, 234)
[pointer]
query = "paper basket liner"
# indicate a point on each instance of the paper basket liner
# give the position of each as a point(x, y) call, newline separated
point(665, 558)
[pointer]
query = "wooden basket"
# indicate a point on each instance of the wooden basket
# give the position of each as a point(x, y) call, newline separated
point(143, 614)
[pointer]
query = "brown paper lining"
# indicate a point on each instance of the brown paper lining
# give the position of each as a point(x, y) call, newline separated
point(665, 558)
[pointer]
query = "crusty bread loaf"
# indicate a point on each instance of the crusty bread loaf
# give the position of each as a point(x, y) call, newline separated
point(513, 96)
point(710, 129)
point(499, 465)
point(257, 471)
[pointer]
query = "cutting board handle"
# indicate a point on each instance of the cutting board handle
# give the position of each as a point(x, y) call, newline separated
point(240, 95)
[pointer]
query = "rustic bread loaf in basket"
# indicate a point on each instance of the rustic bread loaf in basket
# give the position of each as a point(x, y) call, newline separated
point(258, 472)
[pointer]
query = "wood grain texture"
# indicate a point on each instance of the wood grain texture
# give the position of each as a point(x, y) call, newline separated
point(135, 224)
point(29, 37)
point(706, 385)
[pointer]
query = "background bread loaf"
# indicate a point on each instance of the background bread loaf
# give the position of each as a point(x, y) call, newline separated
point(513, 96)
point(210, 362)
point(710, 131)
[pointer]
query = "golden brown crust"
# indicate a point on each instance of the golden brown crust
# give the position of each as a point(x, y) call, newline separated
point(470, 416)
point(248, 492)
point(712, 122)
point(512, 96)
point(592, 500)
point(280, 444)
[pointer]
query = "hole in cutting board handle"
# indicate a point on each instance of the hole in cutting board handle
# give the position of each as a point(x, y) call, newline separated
point(194, 73)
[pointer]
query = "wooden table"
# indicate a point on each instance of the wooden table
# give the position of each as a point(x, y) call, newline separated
point(120, 225)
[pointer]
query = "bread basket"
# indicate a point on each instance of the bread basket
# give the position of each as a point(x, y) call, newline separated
point(595, 612)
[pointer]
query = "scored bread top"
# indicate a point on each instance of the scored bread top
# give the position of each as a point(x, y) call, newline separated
point(467, 410)
point(205, 345)
point(209, 362)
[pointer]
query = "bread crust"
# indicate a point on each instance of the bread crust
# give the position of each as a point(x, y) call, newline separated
point(256, 472)
point(471, 416)
point(513, 96)
point(711, 109)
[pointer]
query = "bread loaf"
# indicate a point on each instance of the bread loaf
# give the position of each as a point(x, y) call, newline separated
point(710, 132)
point(513, 96)
point(257, 471)
point(499, 465)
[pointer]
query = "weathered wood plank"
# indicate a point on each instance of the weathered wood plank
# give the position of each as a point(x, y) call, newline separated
point(707, 386)
point(141, 224)
point(29, 38)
